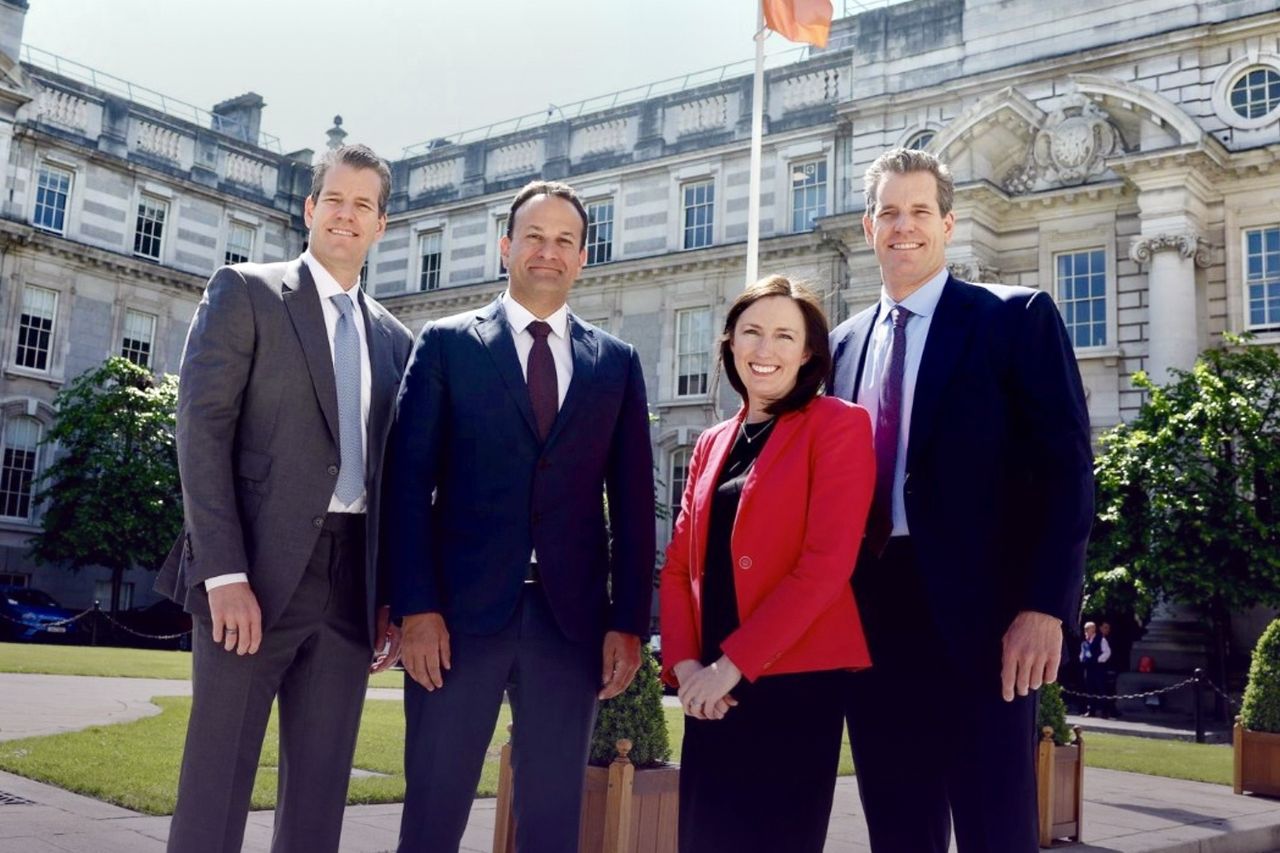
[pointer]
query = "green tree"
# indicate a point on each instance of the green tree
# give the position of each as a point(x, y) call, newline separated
point(112, 497)
point(1188, 489)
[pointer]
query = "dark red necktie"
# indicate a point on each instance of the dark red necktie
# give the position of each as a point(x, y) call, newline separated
point(541, 376)
point(888, 427)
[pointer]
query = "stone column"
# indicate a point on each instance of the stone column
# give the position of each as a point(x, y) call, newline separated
point(1172, 337)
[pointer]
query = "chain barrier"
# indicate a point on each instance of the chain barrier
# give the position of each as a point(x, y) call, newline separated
point(45, 626)
point(1157, 692)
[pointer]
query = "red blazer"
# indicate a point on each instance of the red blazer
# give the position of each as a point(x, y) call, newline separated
point(795, 542)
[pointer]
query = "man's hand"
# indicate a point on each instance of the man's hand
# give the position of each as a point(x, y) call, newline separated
point(704, 693)
point(386, 634)
point(424, 648)
point(621, 662)
point(237, 619)
point(1032, 648)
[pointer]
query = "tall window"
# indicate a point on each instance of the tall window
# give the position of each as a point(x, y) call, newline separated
point(53, 188)
point(599, 232)
point(1262, 275)
point(693, 351)
point(502, 232)
point(1256, 93)
point(18, 471)
point(677, 477)
point(35, 327)
point(139, 333)
point(239, 243)
point(808, 193)
point(699, 213)
point(429, 254)
point(1081, 279)
point(147, 237)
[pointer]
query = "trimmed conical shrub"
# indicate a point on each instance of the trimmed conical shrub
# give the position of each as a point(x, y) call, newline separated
point(1261, 709)
point(636, 715)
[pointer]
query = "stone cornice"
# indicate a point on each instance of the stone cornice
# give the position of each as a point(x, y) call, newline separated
point(1188, 244)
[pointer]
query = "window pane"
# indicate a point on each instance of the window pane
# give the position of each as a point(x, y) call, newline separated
point(53, 187)
point(1256, 93)
point(35, 327)
point(1081, 287)
point(139, 333)
point(430, 253)
point(18, 466)
point(150, 227)
point(1262, 276)
point(699, 205)
point(599, 232)
point(693, 351)
point(808, 193)
point(239, 243)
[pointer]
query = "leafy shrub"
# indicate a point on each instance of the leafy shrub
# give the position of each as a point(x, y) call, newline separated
point(637, 715)
point(1261, 708)
point(1053, 713)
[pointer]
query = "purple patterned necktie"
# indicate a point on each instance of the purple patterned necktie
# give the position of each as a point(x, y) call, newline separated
point(888, 428)
point(540, 373)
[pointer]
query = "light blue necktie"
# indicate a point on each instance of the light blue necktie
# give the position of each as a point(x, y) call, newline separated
point(346, 374)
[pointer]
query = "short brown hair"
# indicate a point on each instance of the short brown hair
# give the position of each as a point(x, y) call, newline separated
point(555, 188)
point(813, 372)
point(357, 157)
point(900, 161)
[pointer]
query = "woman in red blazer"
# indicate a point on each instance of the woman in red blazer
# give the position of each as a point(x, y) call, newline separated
point(758, 618)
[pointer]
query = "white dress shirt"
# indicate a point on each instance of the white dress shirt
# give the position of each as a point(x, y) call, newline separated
point(922, 304)
point(327, 287)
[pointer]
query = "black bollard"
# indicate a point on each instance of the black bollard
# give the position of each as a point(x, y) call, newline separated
point(1199, 676)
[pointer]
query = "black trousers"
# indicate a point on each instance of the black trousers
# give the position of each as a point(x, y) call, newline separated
point(315, 660)
point(933, 741)
point(552, 683)
point(762, 779)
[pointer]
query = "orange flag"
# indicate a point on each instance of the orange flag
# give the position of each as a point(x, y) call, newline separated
point(800, 20)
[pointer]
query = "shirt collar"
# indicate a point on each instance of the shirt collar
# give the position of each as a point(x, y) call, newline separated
point(326, 285)
point(923, 302)
point(520, 317)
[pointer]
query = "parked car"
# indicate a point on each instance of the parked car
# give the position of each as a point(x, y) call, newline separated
point(32, 615)
point(159, 625)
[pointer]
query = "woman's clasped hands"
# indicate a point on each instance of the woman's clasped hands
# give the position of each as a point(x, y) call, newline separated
point(704, 690)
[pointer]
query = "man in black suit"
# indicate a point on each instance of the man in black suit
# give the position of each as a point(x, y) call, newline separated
point(513, 423)
point(284, 402)
point(974, 553)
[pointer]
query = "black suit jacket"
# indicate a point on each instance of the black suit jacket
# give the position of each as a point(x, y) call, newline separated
point(258, 434)
point(999, 475)
point(470, 491)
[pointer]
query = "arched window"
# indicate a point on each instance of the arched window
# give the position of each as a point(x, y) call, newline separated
point(1256, 92)
point(18, 471)
point(677, 476)
point(920, 141)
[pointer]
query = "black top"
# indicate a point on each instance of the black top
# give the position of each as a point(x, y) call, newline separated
point(719, 601)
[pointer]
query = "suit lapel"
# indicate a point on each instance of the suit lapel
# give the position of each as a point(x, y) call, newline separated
point(382, 384)
point(585, 354)
point(302, 301)
point(948, 334)
point(495, 333)
point(851, 355)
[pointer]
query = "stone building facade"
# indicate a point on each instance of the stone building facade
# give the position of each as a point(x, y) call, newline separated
point(1122, 155)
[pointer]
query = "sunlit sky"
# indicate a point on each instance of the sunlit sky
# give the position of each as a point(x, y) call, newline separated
point(398, 71)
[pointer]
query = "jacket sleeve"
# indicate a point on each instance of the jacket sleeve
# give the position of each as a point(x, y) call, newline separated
point(629, 485)
point(411, 468)
point(679, 616)
point(215, 370)
point(1057, 449)
point(841, 462)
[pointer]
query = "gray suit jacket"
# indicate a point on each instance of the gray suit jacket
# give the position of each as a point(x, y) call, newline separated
point(258, 434)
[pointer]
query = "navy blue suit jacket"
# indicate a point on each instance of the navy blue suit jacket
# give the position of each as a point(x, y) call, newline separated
point(999, 483)
point(470, 491)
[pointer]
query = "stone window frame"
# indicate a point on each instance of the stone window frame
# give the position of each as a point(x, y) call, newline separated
point(1249, 215)
point(135, 353)
point(1268, 329)
point(52, 347)
point(73, 175)
point(1221, 97)
point(708, 227)
point(499, 217)
point(676, 352)
point(589, 204)
point(824, 205)
point(422, 273)
point(1075, 324)
point(160, 197)
point(42, 413)
point(252, 226)
point(1056, 239)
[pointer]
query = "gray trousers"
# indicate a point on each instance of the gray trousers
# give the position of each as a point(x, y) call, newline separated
point(552, 684)
point(315, 660)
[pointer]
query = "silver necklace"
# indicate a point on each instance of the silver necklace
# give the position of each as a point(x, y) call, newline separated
point(748, 437)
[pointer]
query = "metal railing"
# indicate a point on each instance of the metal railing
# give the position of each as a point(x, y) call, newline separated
point(81, 73)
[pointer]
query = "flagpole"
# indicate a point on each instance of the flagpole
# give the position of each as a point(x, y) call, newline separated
point(757, 134)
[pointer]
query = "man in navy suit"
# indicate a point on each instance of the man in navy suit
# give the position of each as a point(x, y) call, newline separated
point(974, 555)
point(514, 422)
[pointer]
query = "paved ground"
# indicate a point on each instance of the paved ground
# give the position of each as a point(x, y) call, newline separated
point(1124, 812)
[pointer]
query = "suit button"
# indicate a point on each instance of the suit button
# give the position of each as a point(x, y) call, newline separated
point(333, 470)
point(318, 521)
point(744, 562)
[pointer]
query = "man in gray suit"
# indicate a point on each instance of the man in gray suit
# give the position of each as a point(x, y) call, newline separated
point(284, 403)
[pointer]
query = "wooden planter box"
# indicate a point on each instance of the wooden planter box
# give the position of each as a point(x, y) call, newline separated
point(625, 809)
point(1257, 761)
point(1060, 789)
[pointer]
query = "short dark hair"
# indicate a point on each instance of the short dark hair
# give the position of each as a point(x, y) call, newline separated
point(558, 189)
point(900, 161)
point(357, 157)
point(813, 372)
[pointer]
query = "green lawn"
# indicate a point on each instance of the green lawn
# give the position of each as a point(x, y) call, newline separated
point(121, 663)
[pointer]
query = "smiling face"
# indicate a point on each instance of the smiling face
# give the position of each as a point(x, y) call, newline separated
point(544, 253)
point(769, 347)
point(344, 221)
point(907, 231)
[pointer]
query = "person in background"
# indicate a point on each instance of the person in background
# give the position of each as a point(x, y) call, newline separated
point(1095, 651)
point(758, 618)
